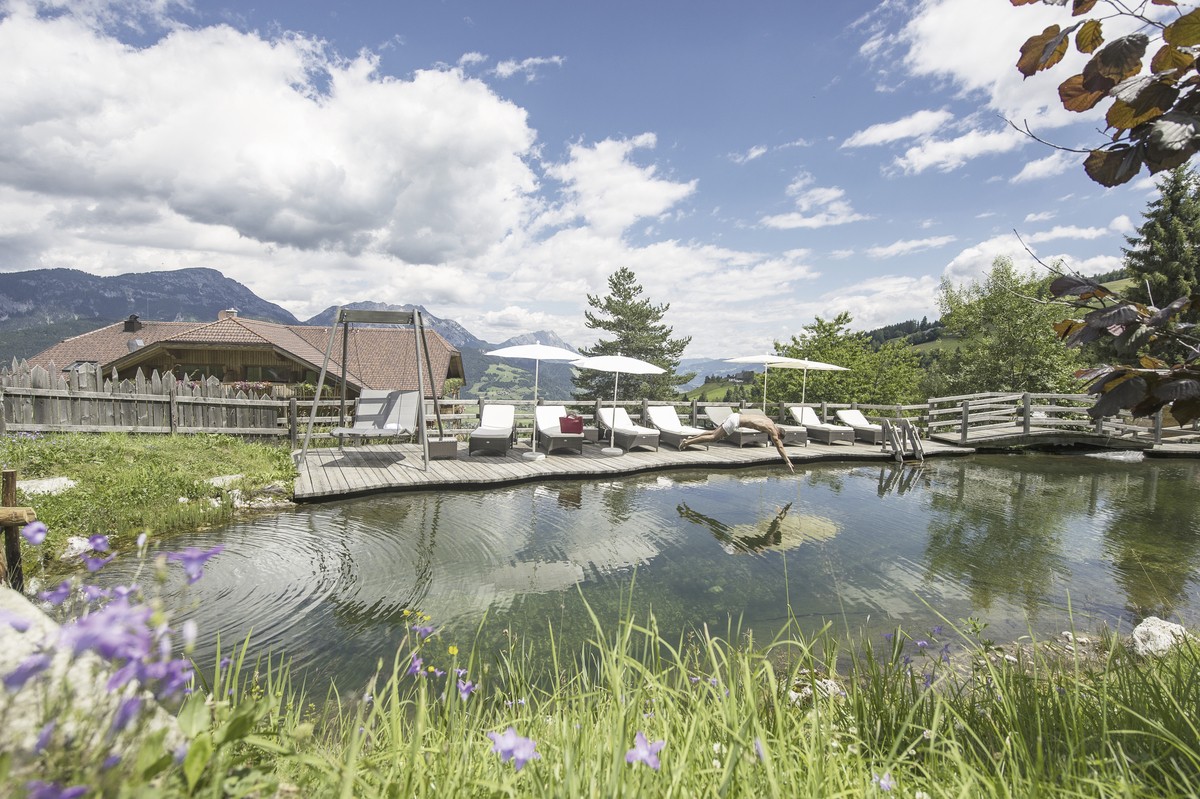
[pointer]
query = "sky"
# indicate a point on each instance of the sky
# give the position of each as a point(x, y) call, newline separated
point(757, 165)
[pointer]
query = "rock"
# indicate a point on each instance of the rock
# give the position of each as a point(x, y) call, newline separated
point(72, 692)
point(75, 547)
point(46, 485)
point(1155, 637)
point(224, 481)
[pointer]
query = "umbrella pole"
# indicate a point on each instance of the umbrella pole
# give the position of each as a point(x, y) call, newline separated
point(612, 431)
point(804, 387)
point(533, 454)
point(766, 371)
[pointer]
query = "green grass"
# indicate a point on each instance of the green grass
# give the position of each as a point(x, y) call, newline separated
point(792, 716)
point(129, 484)
point(714, 391)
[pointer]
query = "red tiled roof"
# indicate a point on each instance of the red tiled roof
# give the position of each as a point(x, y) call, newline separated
point(377, 357)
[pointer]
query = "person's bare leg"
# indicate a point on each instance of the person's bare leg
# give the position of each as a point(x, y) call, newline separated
point(703, 438)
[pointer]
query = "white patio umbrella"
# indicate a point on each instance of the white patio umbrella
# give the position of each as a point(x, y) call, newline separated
point(538, 352)
point(617, 364)
point(767, 361)
point(806, 365)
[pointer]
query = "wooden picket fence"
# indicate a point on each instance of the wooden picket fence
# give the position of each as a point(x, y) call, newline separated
point(37, 399)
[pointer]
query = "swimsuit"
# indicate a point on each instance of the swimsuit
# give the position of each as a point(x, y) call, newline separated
point(731, 423)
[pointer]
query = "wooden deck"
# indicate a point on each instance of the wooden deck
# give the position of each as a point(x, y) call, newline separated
point(999, 439)
point(328, 474)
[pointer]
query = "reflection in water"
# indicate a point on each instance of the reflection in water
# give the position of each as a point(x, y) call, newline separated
point(782, 531)
point(1011, 540)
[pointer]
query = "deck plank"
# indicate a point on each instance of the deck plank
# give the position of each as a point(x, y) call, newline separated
point(328, 474)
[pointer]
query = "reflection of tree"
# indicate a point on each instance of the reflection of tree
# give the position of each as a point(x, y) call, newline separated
point(999, 530)
point(1154, 542)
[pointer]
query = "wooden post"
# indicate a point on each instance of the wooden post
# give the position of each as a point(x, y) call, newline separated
point(11, 519)
point(645, 413)
point(1026, 402)
point(695, 413)
point(962, 430)
point(1158, 425)
point(172, 406)
point(293, 418)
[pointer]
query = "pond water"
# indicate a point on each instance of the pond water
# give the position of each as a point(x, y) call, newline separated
point(1022, 542)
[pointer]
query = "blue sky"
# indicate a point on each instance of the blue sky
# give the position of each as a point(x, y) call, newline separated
point(756, 164)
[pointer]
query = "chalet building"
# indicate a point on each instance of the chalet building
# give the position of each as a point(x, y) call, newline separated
point(246, 350)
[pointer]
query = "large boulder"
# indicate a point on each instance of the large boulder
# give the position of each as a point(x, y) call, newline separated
point(68, 702)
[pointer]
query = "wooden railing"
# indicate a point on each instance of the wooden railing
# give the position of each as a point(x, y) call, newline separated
point(84, 400)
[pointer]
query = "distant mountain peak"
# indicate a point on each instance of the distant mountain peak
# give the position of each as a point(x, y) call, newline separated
point(547, 337)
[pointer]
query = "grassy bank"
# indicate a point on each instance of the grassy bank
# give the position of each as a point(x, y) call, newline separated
point(636, 715)
point(129, 484)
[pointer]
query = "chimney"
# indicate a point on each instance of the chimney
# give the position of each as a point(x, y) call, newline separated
point(132, 325)
point(228, 313)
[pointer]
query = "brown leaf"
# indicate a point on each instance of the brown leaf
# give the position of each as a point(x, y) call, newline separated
point(1150, 100)
point(1090, 36)
point(1023, 2)
point(1068, 326)
point(1186, 411)
point(1082, 7)
point(1169, 59)
point(1185, 31)
point(1076, 98)
point(1113, 166)
point(1147, 362)
point(1173, 139)
point(1152, 2)
point(1122, 58)
point(1043, 50)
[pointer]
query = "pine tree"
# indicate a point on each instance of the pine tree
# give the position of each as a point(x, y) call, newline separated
point(1164, 251)
point(638, 331)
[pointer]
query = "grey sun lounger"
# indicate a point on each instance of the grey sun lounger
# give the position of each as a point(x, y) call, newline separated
point(671, 431)
point(789, 434)
point(496, 430)
point(381, 414)
point(549, 436)
point(624, 433)
point(864, 430)
point(741, 436)
point(825, 433)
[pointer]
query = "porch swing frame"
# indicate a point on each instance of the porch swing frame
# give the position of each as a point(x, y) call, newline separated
point(345, 317)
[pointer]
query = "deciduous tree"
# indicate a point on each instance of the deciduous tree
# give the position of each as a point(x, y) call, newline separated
point(1006, 328)
point(638, 332)
point(1153, 103)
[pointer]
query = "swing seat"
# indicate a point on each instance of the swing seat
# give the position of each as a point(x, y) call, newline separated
point(381, 414)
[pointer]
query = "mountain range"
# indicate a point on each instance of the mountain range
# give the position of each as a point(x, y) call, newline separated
point(41, 307)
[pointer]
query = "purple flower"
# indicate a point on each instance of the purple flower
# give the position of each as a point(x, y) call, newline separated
point(888, 637)
point(18, 623)
point(884, 783)
point(415, 666)
point(644, 752)
point(511, 746)
point(98, 543)
point(922, 643)
point(118, 630)
point(93, 593)
point(35, 532)
point(466, 688)
point(110, 761)
point(461, 672)
point(423, 631)
point(30, 667)
point(936, 631)
point(43, 739)
point(95, 564)
point(57, 595)
point(36, 789)
point(126, 712)
point(193, 560)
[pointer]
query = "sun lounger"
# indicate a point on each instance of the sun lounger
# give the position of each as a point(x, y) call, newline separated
point(381, 414)
point(671, 431)
point(496, 430)
point(825, 433)
point(741, 436)
point(624, 433)
point(549, 436)
point(864, 430)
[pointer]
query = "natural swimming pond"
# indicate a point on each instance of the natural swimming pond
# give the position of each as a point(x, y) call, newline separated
point(1021, 542)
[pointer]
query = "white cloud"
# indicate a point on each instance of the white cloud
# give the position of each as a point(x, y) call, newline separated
point(910, 246)
point(816, 207)
point(1054, 164)
point(1123, 225)
point(528, 67)
point(277, 140)
point(1041, 216)
point(914, 126)
point(471, 59)
point(945, 155)
point(602, 186)
point(975, 261)
point(754, 152)
point(1067, 232)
